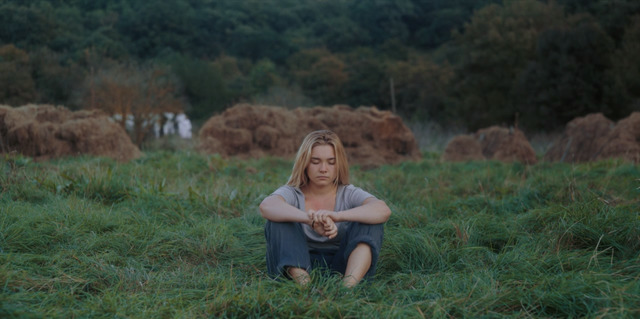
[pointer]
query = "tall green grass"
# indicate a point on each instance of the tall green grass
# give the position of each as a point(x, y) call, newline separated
point(178, 234)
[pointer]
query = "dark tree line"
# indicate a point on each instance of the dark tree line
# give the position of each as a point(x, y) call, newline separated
point(466, 62)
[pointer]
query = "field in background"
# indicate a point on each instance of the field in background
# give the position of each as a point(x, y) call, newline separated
point(177, 234)
point(433, 138)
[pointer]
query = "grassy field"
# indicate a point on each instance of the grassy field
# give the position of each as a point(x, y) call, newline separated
point(178, 234)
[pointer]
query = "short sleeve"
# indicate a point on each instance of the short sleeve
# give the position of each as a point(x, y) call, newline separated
point(289, 195)
point(353, 197)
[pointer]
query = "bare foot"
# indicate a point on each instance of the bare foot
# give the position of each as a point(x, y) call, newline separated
point(299, 275)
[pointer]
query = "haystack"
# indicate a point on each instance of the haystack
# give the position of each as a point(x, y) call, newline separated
point(463, 148)
point(582, 139)
point(506, 145)
point(493, 143)
point(250, 131)
point(45, 132)
point(624, 140)
point(371, 137)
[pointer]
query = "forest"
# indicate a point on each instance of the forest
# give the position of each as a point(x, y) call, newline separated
point(464, 63)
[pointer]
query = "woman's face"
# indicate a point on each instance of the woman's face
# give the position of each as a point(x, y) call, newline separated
point(321, 170)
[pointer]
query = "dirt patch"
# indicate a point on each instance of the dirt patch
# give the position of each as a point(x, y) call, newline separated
point(371, 137)
point(582, 139)
point(492, 143)
point(45, 132)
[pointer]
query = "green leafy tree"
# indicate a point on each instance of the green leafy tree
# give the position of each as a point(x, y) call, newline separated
point(70, 31)
point(156, 27)
point(569, 77)
point(321, 75)
point(340, 33)
point(102, 35)
point(439, 30)
point(17, 87)
point(626, 67)
point(25, 26)
point(613, 15)
point(434, 21)
point(383, 19)
point(235, 74)
point(204, 86)
point(258, 42)
point(264, 75)
point(56, 77)
point(420, 88)
point(256, 29)
point(368, 81)
point(320, 24)
point(489, 55)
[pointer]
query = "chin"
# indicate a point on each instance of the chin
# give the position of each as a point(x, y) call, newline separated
point(324, 182)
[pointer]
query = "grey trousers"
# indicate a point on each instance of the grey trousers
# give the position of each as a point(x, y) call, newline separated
point(287, 247)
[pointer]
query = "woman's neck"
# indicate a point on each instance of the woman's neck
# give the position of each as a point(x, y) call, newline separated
point(314, 190)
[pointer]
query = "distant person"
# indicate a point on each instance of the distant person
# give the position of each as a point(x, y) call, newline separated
point(184, 126)
point(319, 220)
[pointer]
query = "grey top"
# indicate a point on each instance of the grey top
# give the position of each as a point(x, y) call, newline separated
point(347, 197)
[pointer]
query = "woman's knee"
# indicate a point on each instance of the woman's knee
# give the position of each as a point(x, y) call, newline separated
point(367, 233)
point(283, 231)
point(366, 228)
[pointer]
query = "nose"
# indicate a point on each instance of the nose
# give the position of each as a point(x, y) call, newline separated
point(323, 167)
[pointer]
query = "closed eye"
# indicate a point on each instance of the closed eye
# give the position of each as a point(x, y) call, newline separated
point(316, 161)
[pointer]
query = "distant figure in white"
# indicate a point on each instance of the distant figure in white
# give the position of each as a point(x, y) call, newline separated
point(167, 124)
point(174, 123)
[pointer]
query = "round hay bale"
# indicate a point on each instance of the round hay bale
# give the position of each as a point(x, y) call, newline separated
point(582, 139)
point(45, 132)
point(348, 123)
point(624, 140)
point(246, 130)
point(506, 145)
point(267, 137)
point(491, 139)
point(371, 137)
point(495, 143)
point(463, 148)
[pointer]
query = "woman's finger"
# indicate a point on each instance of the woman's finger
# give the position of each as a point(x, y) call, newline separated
point(317, 216)
point(333, 232)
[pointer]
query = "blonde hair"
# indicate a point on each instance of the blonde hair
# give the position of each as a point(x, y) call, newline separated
point(299, 177)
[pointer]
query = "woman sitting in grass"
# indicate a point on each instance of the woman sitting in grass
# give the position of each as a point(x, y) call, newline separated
point(319, 220)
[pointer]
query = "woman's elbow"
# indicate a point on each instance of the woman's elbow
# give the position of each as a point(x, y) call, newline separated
point(385, 211)
point(264, 208)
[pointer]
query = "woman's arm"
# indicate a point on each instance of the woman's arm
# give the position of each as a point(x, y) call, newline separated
point(276, 209)
point(372, 211)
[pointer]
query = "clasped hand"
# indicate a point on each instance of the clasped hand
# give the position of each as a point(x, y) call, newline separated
point(323, 224)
